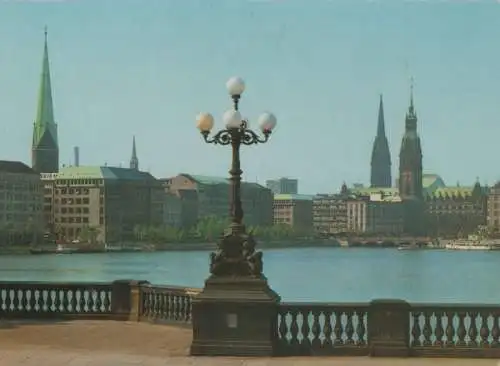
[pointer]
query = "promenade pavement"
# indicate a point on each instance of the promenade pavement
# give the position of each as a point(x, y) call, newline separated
point(109, 343)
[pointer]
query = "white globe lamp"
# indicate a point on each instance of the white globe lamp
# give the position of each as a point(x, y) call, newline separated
point(235, 86)
point(232, 119)
point(205, 122)
point(267, 122)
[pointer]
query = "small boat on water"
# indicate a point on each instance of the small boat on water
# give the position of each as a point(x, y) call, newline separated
point(411, 246)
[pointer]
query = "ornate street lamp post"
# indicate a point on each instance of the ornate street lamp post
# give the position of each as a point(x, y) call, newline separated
point(236, 254)
point(236, 313)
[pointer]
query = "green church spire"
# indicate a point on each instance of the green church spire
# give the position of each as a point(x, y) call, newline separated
point(45, 150)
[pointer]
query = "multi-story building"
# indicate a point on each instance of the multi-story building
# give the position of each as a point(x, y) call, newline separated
point(21, 197)
point(213, 197)
point(329, 214)
point(107, 201)
point(455, 210)
point(294, 210)
point(493, 208)
point(375, 214)
point(283, 185)
point(180, 208)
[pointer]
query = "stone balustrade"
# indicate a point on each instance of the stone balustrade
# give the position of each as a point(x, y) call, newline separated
point(379, 328)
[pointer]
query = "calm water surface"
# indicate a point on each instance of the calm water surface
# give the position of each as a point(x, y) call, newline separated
point(312, 274)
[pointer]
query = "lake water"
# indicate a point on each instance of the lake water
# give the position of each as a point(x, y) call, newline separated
point(305, 274)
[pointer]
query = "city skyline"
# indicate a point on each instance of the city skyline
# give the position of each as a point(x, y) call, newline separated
point(143, 88)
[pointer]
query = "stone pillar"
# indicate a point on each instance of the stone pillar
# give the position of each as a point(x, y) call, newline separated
point(235, 316)
point(389, 328)
point(125, 299)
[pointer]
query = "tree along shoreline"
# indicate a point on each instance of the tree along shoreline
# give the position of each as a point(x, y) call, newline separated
point(209, 230)
point(192, 246)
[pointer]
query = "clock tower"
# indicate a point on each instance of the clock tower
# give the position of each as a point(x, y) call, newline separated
point(410, 172)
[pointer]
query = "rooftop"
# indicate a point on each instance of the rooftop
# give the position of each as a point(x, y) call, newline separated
point(18, 167)
point(102, 172)
point(211, 180)
point(293, 197)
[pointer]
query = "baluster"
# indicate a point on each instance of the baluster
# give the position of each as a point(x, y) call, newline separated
point(35, 294)
point(81, 301)
point(90, 300)
point(305, 327)
point(415, 332)
point(450, 328)
point(177, 306)
point(2, 299)
point(15, 300)
point(187, 307)
point(282, 327)
point(98, 301)
point(337, 329)
point(461, 332)
point(484, 332)
point(495, 331)
point(472, 329)
point(349, 328)
point(182, 308)
point(360, 328)
point(149, 307)
point(169, 306)
point(66, 300)
point(156, 304)
point(45, 301)
point(328, 330)
point(107, 301)
point(57, 300)
point(8, 299)
point(427, 329)
point(316, 330)
point(439, 332)
point(72, 304)
point(162, 305)
point(25, 300)
point(294, 328)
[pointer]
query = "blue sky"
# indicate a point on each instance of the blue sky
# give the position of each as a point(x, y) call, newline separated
point(147, 67)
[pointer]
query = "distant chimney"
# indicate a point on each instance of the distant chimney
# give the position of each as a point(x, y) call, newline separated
point(77, 156)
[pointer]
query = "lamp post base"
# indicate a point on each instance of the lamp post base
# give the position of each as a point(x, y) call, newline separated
point(235, 316)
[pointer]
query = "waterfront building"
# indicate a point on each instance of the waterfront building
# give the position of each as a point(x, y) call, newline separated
point(283, 185)
point(410, 174)
point(295, 210)
point(180, 208)
point(493, 208)
point(213, 197)
point(21, 198)
point(452, 210)
point(45, 147)
point(381, 156)
point(330, 212)
point(107, 201)
point(377, 213)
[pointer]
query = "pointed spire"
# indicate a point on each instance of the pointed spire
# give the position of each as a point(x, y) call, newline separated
point(134, 150)
point(45, 149)
point(411, 93)
point(381, 120)
point(44, 120)
point(134, 161)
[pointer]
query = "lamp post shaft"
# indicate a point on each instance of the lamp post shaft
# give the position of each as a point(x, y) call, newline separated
point(236, 208)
